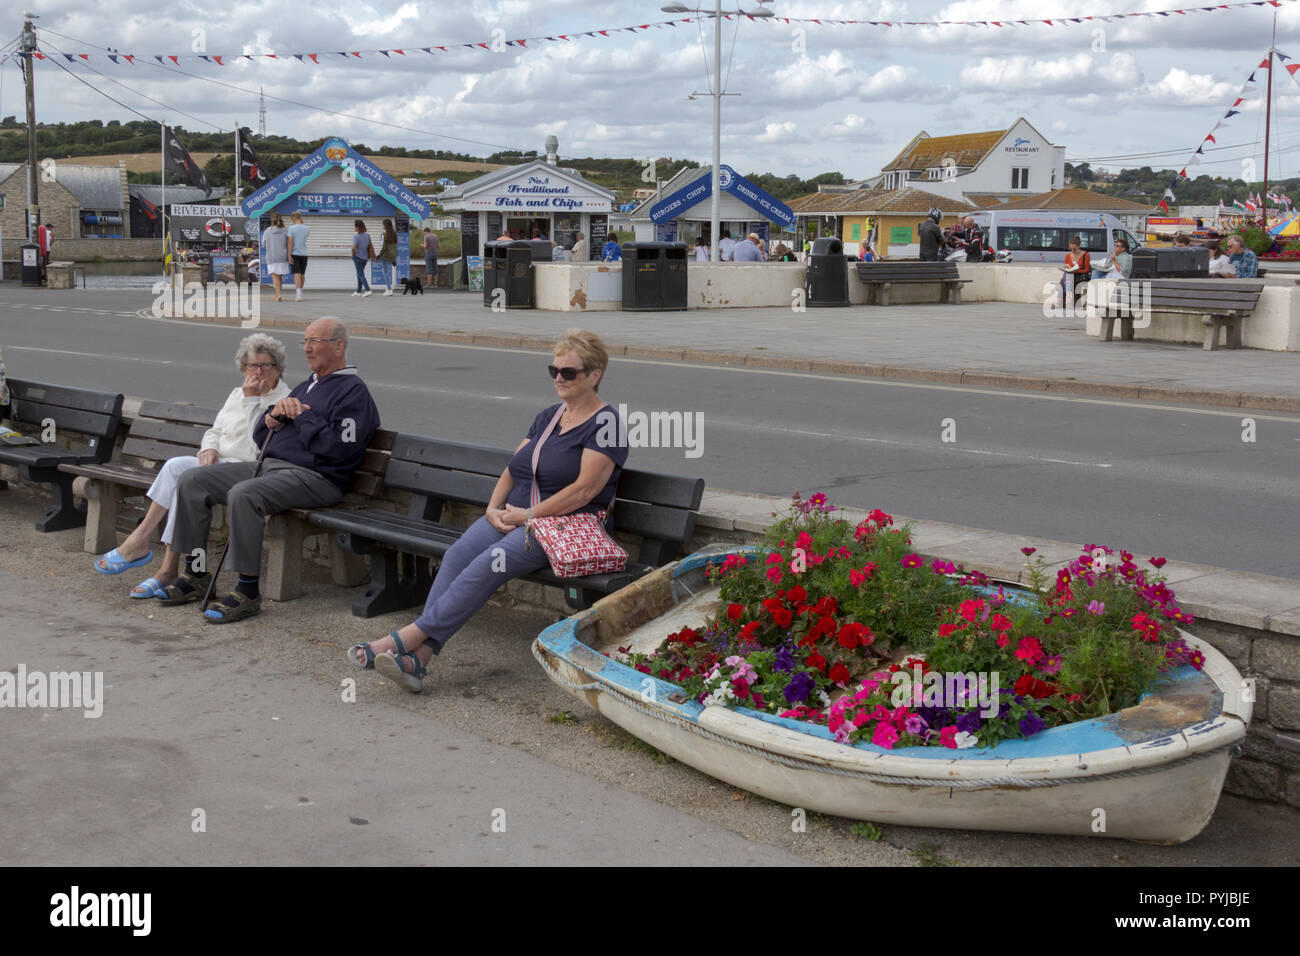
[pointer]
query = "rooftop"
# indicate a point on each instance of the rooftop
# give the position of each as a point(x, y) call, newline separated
point(927, 152)
point(876, 202)
point(96, 187)
point(1072, 198)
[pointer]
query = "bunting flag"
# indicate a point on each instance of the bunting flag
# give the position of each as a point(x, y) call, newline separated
point(1243, 94)
point(498, 45)
point(250, 167)
point(177, 159)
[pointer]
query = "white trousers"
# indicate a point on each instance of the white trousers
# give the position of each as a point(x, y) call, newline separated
point(163, 489)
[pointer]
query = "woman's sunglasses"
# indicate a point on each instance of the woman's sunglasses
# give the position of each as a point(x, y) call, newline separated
point(569, 374)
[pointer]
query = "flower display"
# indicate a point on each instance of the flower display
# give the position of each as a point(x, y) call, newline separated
point(887, 648)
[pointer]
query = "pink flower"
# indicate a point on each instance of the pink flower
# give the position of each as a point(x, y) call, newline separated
point(774, 558)
point(913, 561)
point(1158, 562)
point(885, 735)
point(1029, 650)
point(1027, 551)
point(1096, 607)
point(946, 736)
point(803, 541)
point(774, 575)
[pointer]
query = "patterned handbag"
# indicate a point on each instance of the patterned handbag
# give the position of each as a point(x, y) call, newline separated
point(577, 544)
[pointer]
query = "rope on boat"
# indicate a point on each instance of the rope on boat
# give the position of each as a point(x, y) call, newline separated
point(796, 763)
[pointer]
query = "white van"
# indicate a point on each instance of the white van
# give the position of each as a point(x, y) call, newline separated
point(1044, 236)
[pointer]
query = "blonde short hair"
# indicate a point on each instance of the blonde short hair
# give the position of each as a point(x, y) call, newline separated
point(590, 348)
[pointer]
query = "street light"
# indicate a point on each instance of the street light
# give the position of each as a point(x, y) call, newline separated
point(761, 13)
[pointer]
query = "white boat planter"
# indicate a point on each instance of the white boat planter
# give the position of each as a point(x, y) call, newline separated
point(1152, 772)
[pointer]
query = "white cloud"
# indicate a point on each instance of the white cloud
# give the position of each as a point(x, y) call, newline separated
point(776, 133)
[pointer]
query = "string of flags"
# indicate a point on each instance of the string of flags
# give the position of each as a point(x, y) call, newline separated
point(499, 44)
point(1253, 203)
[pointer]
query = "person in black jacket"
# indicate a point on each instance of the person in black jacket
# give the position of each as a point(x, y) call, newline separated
point(316, 443)
point(931, 237)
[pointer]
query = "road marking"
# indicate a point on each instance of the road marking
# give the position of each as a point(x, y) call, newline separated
point(908, 444)
point(98, 355)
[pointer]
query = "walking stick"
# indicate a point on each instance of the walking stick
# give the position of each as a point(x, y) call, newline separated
point(257, 470)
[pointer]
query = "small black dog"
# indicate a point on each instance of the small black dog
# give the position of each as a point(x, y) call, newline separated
point(413, 285)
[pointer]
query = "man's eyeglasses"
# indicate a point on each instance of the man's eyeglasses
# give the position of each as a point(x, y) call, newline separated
point(315, 341)
point(260, 366)
point(568, 374)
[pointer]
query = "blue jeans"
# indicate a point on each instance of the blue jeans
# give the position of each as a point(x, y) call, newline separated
point(388, 269)
point(471, 572)
point(362, 284)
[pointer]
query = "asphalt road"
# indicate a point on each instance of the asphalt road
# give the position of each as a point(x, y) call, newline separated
point(1158, 480)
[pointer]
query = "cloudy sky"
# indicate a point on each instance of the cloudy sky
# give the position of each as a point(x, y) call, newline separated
point(811, 98)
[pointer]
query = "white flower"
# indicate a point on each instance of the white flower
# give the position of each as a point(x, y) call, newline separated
point(964, 740)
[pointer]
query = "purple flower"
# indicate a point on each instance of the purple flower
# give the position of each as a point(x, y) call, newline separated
point(784, 660)
point(1096, 607)
point(1052, 665)
point(969, 722)
point(798, 689)
point(915, 724)
point(1031, 724)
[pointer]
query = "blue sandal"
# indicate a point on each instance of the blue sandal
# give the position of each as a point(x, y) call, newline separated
point(391, 667)
point(116, 564)
point(153, 588)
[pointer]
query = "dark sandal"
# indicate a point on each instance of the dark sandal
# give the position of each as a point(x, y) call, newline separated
point(187, 588)
point(367, 649)
point(222, 611)
point(391, 667)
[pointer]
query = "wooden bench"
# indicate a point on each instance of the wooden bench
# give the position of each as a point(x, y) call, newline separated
point(404, 548)
point(160, 431)
point(167, 430)
point(77, 411)
point(1221, 303)
point(879, 276)
point(287, 531)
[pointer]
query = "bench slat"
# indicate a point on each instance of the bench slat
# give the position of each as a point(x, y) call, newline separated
point(178, 412)
point(93, 424)
point(179, 433)
point(130, 475)
point(444, 454)
point(155, 450)
point(672, 490)
point(65, 397)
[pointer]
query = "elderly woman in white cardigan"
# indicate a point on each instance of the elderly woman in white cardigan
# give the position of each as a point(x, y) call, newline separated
point(261, 359)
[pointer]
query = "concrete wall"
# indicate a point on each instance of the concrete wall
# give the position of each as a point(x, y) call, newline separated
point(87, 250)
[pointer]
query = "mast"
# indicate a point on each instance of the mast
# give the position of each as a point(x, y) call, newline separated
point(1268, 120)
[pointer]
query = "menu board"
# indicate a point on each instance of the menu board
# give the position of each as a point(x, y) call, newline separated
point(494, 225)
point(469, 239)
point(599, 234)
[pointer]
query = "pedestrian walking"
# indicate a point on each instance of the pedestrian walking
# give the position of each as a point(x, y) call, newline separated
point(298, 234)
point(430, 257)
point(931, 236)
point(388, 256)
point(363, 250)
point(275, 240)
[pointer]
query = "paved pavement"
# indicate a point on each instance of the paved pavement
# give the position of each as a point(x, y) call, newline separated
point(998, 344)
point(247, 723)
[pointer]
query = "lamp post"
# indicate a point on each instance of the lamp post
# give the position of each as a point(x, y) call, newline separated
point(761, 13)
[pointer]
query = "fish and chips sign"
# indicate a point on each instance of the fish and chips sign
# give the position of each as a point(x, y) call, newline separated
point(335, 154)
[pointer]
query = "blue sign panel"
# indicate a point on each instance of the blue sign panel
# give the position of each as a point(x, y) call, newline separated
point(674, 206)
point(335, 153)
point(344, 204)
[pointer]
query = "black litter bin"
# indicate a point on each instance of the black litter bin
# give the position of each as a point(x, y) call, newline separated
point(1171, 262)
point(654, 276)
point(827, 277)
point(31, 258)
point(494, 269)
point(517, 279)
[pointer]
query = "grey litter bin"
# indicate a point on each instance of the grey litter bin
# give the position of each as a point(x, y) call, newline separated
point(654, 276)
point(826, 279)
point(31, 264)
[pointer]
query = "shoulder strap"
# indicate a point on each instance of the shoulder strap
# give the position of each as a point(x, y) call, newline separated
point(533, 496)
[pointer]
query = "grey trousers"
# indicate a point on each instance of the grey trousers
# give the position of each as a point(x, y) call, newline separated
point(248, 501)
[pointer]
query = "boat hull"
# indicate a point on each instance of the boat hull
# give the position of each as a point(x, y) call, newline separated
point(1151, 773)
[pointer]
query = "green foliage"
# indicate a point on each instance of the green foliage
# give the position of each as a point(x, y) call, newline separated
point(1257, 240)
point(867, 830)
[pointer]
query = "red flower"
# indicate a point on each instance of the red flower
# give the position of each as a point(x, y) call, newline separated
point(826, 607)
point(747, 632)
point(815, 661)
point(971, 609)
point(839, 674)
point(796, 595)
point(741, 688)
point(1000, 623)
point(734, 611)
point(783, 617)
point(1030, 686)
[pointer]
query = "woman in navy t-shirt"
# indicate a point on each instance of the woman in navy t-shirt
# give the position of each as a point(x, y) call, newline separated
point(577, 470)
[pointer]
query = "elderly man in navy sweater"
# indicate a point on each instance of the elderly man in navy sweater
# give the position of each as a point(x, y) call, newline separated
point(320, 434)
